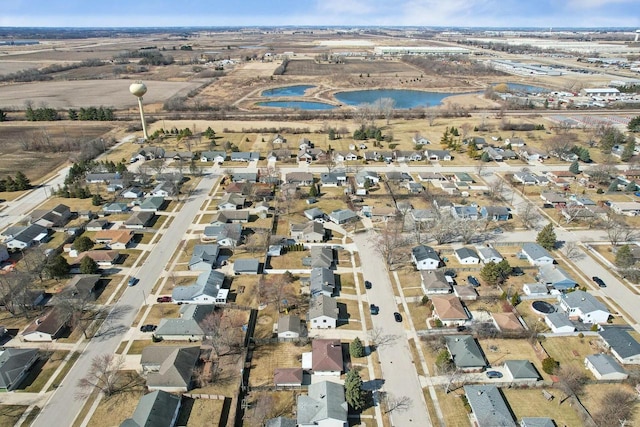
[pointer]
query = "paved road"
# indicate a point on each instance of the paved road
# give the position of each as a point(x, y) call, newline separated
point(62, 408)
point(399, 373)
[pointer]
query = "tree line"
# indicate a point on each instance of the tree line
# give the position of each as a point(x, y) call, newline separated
point(102, 114)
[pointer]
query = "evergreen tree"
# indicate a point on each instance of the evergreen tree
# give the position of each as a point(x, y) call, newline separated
point(634, 124)
point(83, 244)
point(11, 184)
point(332, 134)
point(3, 116)
point(547, 237)
point(472, 151)
point(574, 168)
point(356, 349)
point(57, 267)
point(624, 257)
point(355, 395)
point(22, 182)
point(613, 187)
point(88, 266)
point(73, 114)
point(630, 187)
point(629, 148)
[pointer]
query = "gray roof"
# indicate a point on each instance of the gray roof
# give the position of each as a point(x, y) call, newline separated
point(496, 210)
point(222, 231)
point(466, 253)
point(176, 365)
point(522, 369)
point(325, 401)
point(584, 300)
point(290, 323)
point(252, 155)
point(605, 364)
point(188, 323)
point(321, 256)
point(341, 215)
point(488, 253)
point(556, 276)
point(465, 351)
point(424, 252)
point(322, 280)
point(535, 251)
point(620, 341)
point(30, 233)
point(434, 279)
point(323, 305)
point(205, 253)
point(281, 422)
point(155, 202)
point(248, 265)
point(213, 154)
point(207, 283)
point(537, 422)
point(12, 364)
point(244, 176)
point(559, 320)
point(488, 406)
point(314, 213)
point(155, 409)
point(139, 218)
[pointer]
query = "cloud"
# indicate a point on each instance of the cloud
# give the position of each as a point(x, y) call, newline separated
point(595, 4)
point(346, 7)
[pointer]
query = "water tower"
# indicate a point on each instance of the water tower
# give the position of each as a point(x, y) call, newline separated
point(138, 89)
point(637, 35)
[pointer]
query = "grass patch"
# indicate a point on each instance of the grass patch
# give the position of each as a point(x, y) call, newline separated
point(419, 314)
point(569, 350)
point(115, 409)
point(499, 350)
point(290, 260)
point(531, 403)
point(10, 414)
point(455, 414)
point(266, 358)
point(415, 356)
point(65, 370)
point(157, 312)
point(201, 412)
point(42, 370)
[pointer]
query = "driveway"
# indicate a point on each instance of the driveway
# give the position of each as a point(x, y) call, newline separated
point(400, 375)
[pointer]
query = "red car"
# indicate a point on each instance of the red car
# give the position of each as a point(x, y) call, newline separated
point(164, 299)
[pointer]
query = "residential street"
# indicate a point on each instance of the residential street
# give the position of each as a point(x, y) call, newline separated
point(63, 407)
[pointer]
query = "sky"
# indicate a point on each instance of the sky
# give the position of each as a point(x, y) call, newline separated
point(454, 13)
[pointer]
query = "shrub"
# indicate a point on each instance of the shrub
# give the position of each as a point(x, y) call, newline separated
point(549, 365)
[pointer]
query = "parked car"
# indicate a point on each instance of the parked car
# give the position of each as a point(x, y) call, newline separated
point(599, 281)
point(517, 271)
point(397, 316)
point(132, 281)
point(450, 273)
point(374, 309)
point(473, 281)
point(367, 284)
point(165, 298)
point(148, 328)
point(494, 374)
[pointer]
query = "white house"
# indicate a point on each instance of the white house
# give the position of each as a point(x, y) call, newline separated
point(605, 367)
point(536, 254)
point(559, 323)
point(207, 289)
point(489, 254)
point(623, 346)
point(425, 257)
point(323, 312)
point(467, 256)
point(584, 306)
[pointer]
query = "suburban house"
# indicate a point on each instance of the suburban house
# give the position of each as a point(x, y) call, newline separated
point(311, 232)
point(326, 357)
point(279, 155)
point(626, 208)
point(322, 282)
point(231, 201)
point(239, 156)
point(234, 217)
point(342, 216)
point(345, 156)
point(488, 254)
point(333, 179)
point(164, 189)
point(115, 208)
point(97, 224)
point(169, 368)
point(434, 282)
point(321, 256)
point(488, 408)
point(536, 254)
point(187, 326)
point(47, 327)
point(449, 309)
point(28, 237)
point(114, 239)
point(425, 257)
point(364, 176)
point(56, 217)
point(139, 220)
point(225, 235)
point(467, 256)
point(204, 257)
point(622, 345)
point(408, 156)
point(507, 322)
point(559, 323)
point(290, 326)
point(323, 312)
point(152, 204)
point(465, 292)
point(314, 213)
point(526, 178)
point(465, 212)
point(104, 258)
point(157, 409)
point(465, 352)
point(279, 139)
point(244, 177)
point(207, 289)
point(423, 215)
point(438, 155)
point(132, 193)
point(605, 367)
point(556, 277)
point(213, 156)
point(14, 366)
point(82, 287)
point(535, 289)
point(495, 213)
point(398, 177)
point(299, 178)
point(324, 405)
point(584, 307)
point(246, 266)
point(102, 178)
point(522, 370)
point(287, 377)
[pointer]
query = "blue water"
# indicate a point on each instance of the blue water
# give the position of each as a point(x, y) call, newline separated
point(300, 105)
point(526, 88)
point(404, 98)
point(287, 91)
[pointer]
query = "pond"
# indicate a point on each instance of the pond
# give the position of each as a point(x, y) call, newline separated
point(517, 87)
point(404, 98)
point(287, 91)
point(300, 105)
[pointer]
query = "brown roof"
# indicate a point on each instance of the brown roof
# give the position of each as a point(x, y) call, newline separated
point(99, 256)
point(287, 376)
point(448, 307)
point(507, 321)
point(114, 236)
point(49, 323)
point(326, 355)
point(235, 187)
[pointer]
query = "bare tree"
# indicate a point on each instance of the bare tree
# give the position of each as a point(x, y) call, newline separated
point(496, 187)
point(380, 339)
point(156, 165)
point(529, 215)
point(391, 403)
point(617, 231)
point(34, 261)
point(572, 251)
point(469, 230)
point(385, 107)
point(104, 375)
point(444, 229)
point(431, 114)
point(262, 407)
point(277, 288)
point(391, 243)
point(465, 128)
point(571, 212)
point(571, 380)
point(16, 292)
point(616, 405)
point(223, 332)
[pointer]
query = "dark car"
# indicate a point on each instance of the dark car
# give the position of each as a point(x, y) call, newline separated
point(517, 271)
point(450, 273)
point(165, 298)
point(473, 281)
point(374, 309)
point(397, 316)
point(494, 374)
point(367, 284)
point(148, 328)
point(132, 281)
point(599, 281)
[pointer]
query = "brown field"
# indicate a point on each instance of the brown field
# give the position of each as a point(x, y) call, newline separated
point(351, 66)
point(531, 403)
point(266, 358)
